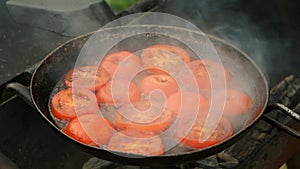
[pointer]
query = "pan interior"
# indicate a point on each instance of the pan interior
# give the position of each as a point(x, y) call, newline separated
point(244, 73)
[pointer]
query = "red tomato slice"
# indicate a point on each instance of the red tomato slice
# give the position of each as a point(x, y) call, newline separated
point(116, 92)
point(164, 58)
point(69, 103)
point(91, 129)
point(205, 73)
point(237, 102)
point(144, 117)
point(123, 64)
point(165, 83)
point(126, 143)
point(89, 77)
point(191, 136)
point(187, 103)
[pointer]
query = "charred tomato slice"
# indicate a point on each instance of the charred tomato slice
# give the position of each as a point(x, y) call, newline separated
point(71, 102)
point(191, 137)
point(164, 58)
point(89, 77)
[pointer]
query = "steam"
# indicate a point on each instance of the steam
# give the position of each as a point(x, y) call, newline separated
point(244, 35)
point(258, 28)
point(227, 21)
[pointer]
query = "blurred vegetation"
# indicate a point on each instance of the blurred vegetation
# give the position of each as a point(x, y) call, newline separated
point(120, 5)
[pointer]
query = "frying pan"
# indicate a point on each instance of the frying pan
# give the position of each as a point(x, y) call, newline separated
point(62, 59)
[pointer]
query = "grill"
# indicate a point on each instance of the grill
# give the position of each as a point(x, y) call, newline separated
point(28, 142)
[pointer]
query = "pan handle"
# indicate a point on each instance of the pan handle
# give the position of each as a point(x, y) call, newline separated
point(22, 91)
point(287, 111)
point(31, 69)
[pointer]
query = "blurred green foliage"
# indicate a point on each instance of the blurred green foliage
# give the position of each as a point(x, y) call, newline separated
point(120, 5)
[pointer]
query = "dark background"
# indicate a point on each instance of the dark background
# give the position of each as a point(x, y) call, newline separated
point(269, 31)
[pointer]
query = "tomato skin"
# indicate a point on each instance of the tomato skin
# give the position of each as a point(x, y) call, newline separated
point(190, 137)
point(165, 83)
point(71, 102)
point(89, 77)
point(205, 73)
point(237, 102)
point(144, 118)
point(122, 64)
point(111, 94)
point(187, 103)
point(126, 143)
point(90, 129)
point(163, 59)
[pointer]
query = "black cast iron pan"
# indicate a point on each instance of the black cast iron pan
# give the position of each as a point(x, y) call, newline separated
point(63, 58)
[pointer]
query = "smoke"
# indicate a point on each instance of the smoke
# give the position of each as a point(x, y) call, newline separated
point(229, 22)
point(265, 31)
point(251, 42)
point(224, 20)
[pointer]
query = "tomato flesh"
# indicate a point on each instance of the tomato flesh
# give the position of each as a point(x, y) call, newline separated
point(205, 73)
point(187, 103)
point(191, 136)
point(164, 58)
point(116, 92)
point(123, 142)
point(165, 83)
point(144, 117)
point(71, 102)
point(91, 129)
point(122, 64)
point(237, 102)
point(89, 77)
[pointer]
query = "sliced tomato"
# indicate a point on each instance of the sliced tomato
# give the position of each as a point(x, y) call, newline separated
point(187, 103)
point(137, 134)
point(118, 92)
point(237, 102)
point(191, 137)
point(164, 58)
point(207, 74)
point(72, 102)
point(127, 143)
point(163, 82)
point(123, 64)
point(90, 129)
point(90, 77)
point(144, 116)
